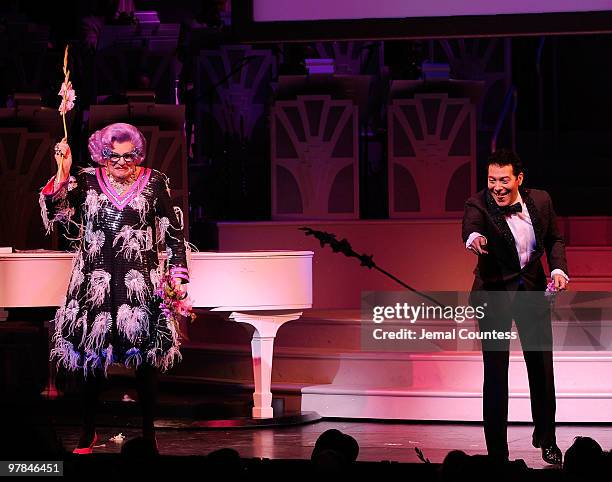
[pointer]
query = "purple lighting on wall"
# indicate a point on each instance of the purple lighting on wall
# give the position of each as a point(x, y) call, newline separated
point(276, 10)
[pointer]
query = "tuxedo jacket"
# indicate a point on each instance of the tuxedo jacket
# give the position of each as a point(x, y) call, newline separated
point(501, 269)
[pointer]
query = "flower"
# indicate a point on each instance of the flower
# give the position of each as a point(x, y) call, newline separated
point(68, 96)
point(173, 300)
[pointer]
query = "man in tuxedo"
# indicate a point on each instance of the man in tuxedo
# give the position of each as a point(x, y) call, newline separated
point(509, 228)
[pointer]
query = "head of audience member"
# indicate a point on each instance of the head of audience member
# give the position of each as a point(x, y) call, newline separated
point(27, 431)
point(454, 465)
point(339, 442)
point(584, 457)
point(334, 452)
point(139, 447)
point(225, 461)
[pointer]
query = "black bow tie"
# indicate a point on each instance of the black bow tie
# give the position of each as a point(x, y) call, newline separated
point(514, 208)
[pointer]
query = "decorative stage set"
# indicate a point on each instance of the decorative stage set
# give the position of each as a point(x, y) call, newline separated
point(318, 364)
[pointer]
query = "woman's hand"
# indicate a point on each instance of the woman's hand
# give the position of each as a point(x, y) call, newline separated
point(63, 158)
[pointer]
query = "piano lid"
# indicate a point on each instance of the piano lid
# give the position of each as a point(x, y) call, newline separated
point(225, 281)
point(253, 280)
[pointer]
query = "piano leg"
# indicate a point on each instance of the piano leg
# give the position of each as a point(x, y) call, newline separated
point(266, 325)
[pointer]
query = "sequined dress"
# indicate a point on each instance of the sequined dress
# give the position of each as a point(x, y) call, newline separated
point(111, 314)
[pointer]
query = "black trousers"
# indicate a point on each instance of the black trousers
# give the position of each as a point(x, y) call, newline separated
point(531, 313)
point(146, 384)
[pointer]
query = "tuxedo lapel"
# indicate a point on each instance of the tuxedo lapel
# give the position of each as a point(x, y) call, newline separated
point(536, 220)
point(499, 220)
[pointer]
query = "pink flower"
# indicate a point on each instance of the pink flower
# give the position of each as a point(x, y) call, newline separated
point(175, 303)
point(68, 97)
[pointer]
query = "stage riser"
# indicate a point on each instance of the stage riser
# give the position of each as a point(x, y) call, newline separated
point(450, 371)
point(450, 407)
point(574, 372)
point(434, 387)
point(319, 358)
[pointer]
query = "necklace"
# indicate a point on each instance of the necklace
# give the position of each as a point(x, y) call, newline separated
point(121, 186)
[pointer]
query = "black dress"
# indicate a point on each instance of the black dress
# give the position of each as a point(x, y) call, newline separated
point(111, 314)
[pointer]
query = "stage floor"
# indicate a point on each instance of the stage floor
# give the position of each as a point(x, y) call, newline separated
point(377, 441)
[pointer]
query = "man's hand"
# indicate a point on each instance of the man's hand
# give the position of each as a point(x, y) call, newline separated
point(479, 246)
point(560, 282)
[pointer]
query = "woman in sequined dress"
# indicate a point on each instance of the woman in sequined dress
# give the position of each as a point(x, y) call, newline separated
point(125, 216)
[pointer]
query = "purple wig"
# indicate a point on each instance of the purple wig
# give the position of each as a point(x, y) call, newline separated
point(101, 142)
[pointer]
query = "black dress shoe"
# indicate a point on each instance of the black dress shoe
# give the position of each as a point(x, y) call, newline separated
point(552, 454)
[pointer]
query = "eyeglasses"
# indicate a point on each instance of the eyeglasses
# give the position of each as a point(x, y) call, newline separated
point(128, 157)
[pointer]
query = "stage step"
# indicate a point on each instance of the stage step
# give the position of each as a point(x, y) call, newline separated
point(361, 402)
point(584, 393)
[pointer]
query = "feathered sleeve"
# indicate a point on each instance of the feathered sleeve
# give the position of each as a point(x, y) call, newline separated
point(59, 201)
point(170, 231)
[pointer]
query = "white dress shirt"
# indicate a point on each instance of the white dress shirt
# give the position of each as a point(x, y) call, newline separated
point(524, 236)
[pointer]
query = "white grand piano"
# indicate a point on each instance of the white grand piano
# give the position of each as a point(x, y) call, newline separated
point(264, 289)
